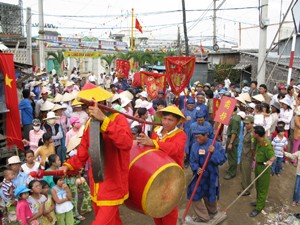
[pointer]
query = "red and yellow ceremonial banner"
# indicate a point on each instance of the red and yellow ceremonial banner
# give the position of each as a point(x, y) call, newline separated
point(138, 26)
point(136, 80)
point(225, 110)
point(13, 124)
point(122, 68)
point(154, 81)
point(179, 71)
point(216, 104)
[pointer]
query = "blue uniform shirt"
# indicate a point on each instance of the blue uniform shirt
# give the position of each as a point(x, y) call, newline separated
point(190, 140)
point(202, 108)
point(26, 111)
point(209, 184)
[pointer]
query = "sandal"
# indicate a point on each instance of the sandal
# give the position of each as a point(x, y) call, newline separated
point(80, 217)
point(294, 203)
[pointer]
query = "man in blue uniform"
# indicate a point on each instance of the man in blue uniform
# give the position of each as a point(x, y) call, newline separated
point(190, 115)
point(200, 104)
point(209, 188)
point(190, 135)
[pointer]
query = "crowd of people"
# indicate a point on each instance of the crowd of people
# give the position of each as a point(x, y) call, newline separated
point(264, 128)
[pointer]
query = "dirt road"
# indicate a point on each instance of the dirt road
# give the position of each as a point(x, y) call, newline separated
point(279, 199)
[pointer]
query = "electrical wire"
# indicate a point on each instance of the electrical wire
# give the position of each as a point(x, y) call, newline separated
point(149, 13)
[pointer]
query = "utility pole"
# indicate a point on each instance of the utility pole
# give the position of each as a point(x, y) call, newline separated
point(179, 41)
point(240, 35)
point(214, 23)
point(21, 13)
point(186, 40)
point(28, 36)
point(41, 35)
point(263, 23)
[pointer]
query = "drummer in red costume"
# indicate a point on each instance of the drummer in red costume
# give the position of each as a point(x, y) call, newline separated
point(113, 191)
point(170, 139)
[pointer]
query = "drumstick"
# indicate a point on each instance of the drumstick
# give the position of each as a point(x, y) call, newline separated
point(42, 173)
point(101, 106)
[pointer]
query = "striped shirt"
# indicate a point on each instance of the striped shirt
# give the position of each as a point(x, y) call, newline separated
point(6, 186)
point(278, 145)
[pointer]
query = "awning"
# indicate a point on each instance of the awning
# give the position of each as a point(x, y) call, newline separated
point(241, 66)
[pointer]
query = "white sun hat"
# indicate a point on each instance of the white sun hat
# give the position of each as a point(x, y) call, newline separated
point(51, 115)
point(47, 106)
point(125, 101)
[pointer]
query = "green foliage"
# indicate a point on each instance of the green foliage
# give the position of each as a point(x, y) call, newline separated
point(109, 59)
point(58, 58)
point(124, 56)
point(221, 71)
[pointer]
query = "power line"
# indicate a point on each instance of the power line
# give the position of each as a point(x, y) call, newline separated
point(149, 13)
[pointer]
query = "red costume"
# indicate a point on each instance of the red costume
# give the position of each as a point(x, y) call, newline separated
point(113, 191)
point(173, 144)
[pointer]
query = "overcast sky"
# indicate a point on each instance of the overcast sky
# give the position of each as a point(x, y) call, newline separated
point(115, 17)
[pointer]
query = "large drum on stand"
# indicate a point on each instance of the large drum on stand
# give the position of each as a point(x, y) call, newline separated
point(156, 182)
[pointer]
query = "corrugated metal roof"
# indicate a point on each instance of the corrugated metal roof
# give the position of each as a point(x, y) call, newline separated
point(283, 61)
point(241, 66)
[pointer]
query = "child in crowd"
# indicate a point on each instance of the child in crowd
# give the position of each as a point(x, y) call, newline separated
point(75, 123)
point(36, 200)
point(142, 113)
point(76, 182)
point(46, 148)
point(24, 214)
point(259, 116)
point(34, 135)
point(279, 143)
point(267, 119)
point(49, 216)
point(7, 184)
point(62, 196)
point(52, 163)
point(30, 165)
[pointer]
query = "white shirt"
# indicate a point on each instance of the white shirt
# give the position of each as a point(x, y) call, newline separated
point(227, 83)
point(286, 116)
point(92, 78)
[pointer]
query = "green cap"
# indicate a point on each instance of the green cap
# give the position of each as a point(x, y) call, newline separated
point(249, 119)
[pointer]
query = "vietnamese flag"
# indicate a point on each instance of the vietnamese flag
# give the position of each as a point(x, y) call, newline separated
point(13, 124)
point(138, 25)
point(202, 49)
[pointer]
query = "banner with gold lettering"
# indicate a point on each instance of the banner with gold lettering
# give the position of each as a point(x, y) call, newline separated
point(82, 54)
point(179, 71)
point(216, 104)
point(136, 80)
point(122, 68)
point(154, 82)
point(225, 110)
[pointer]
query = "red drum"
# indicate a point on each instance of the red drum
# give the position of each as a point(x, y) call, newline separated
point(156, 182)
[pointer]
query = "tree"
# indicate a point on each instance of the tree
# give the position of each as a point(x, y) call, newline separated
point(221, 71)
point(109, 60)
point(124, 56)
point(59, 58)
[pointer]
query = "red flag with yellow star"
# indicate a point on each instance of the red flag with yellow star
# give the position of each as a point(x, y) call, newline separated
point(13, 124)
point(138, 26)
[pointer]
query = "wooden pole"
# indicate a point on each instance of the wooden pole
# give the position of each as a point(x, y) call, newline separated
point(132, 27)
point(201, 174)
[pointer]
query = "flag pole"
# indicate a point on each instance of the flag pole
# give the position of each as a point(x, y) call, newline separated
point(132, 25)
